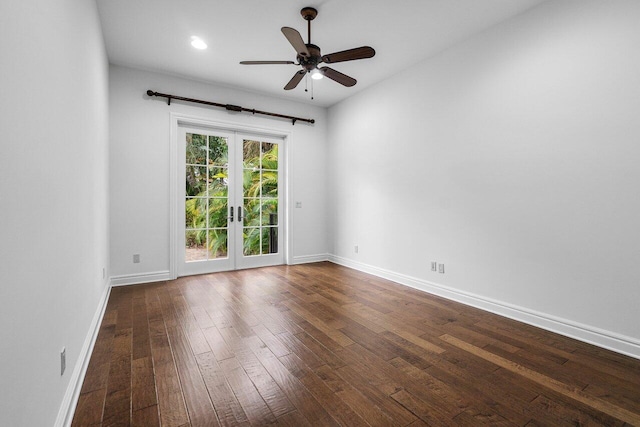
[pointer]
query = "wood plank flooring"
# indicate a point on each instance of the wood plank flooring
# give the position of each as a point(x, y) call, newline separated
point(320, 344)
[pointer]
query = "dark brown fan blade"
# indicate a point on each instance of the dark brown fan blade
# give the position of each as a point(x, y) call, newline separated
point(337, 76)
point(266, 62)
point(296, 41)
point(295, 80)
point(349, 55)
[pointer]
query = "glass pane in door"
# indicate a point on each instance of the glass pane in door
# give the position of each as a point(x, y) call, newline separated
point(206, 201)
point(260, 197)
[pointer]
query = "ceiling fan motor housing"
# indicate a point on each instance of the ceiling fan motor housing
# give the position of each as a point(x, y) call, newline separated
point(310, 62)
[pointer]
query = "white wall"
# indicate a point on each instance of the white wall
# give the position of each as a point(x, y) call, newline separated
point(512, 158)
point(53, 199)
point(140, 155)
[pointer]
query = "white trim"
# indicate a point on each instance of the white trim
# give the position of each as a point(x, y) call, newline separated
point(135, 279)
point(173, 196)
point(70, 399)
point(606, 339)
point(288, 202)
point(180, 119)
point(306, 259)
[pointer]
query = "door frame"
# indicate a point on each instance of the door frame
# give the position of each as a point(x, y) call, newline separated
point(178, 120)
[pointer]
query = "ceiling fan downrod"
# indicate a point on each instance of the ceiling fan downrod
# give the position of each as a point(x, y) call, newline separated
point(309, 14)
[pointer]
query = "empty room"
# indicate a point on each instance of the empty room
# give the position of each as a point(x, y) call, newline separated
point(320, 212)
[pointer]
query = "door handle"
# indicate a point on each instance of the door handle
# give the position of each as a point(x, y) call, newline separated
point(239, 213)
point(231, 216)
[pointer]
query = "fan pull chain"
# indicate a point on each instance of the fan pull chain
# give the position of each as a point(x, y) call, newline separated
point(312, 89)
point(306, 82)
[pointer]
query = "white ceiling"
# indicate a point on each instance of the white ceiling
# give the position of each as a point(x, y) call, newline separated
point(155, 35)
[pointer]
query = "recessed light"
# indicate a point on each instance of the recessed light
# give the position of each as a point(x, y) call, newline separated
point(198, 43)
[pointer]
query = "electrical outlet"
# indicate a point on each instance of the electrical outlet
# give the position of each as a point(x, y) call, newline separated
point(136, 258)
point(355, 249)
point(104, 272)
point(442, 268)
point(434, 266)
point(63, 360)
point(298, 204)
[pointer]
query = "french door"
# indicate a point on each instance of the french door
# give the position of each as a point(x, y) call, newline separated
point(230, 198)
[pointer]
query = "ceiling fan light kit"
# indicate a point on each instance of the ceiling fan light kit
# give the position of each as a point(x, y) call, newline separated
point(309, 56)
point(316, 74)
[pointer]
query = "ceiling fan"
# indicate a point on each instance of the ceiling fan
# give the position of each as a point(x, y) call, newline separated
point(309, 56)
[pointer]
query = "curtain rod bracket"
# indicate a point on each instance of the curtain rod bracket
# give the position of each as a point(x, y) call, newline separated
point(228, 107)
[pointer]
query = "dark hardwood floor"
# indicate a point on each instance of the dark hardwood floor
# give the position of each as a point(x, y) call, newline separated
point(320, 344)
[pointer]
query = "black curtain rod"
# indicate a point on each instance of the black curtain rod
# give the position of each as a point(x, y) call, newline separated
point(228, 107)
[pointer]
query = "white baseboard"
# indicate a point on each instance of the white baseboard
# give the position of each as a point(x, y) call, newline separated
point(70, 399)
point(306, 259)
point(135, 279)
point(606, 339)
